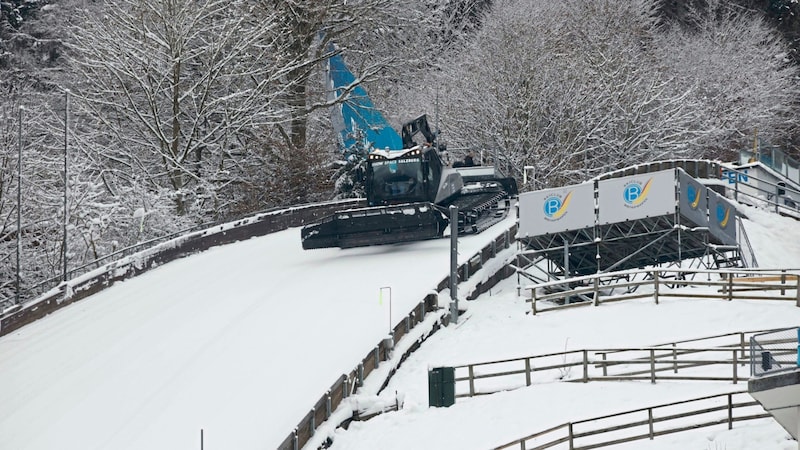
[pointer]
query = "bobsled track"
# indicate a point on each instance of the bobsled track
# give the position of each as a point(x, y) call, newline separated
point(241, 341)
point(255, 342)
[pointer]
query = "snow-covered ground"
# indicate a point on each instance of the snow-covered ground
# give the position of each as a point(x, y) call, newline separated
point(497, 327)
point(238, 341)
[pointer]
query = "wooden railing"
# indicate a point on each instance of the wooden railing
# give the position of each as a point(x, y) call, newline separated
point(646, 423)
point(728, 359)
point(730, 284)
point(347, 384)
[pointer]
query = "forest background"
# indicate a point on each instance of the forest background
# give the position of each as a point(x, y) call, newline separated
point(137, 119)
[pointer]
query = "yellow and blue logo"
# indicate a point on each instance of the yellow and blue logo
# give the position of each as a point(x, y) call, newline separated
point(693, 195)
point(723, 215)
point(635, 193)
point(555, 207)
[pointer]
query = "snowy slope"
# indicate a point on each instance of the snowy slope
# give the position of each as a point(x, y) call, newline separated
point(240, 341)
point(498, 327)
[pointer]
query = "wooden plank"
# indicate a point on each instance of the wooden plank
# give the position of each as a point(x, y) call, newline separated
point(766, 278)
point(536, 435)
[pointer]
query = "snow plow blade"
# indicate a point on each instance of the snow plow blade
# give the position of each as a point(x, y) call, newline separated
point(375, 226)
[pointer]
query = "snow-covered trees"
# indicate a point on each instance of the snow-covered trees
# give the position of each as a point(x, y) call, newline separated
point(737, 75)
point(177, 88)
point(578, 87)
point(186, 111)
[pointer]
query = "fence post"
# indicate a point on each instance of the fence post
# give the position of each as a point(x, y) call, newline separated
point(650, 421)
point(471, 381)
point(571, 444)
point(294, 440)
point(360, 375)
point(527, 371)
point(605, 367)
point(777, 194)
point(596, 286)
point(798, 292)
point(533, 297)
point(674, 358)
point(783, 281)
point(742, 343)
point(730, 286)
point(730, 411)
point(652, 366)
point(585, 366)
point(328, 405)
point(312, 426)
point(655, 284)
point(735, 366)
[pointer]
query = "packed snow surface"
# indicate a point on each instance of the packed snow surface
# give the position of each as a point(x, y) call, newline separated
point(241, 341)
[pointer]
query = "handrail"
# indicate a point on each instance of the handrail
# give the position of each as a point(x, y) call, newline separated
point(609, 364)
point(747, 156)
point(770, 196)
point(697, 168)
point(747, 253)
point(724, 409)
point(731, 283)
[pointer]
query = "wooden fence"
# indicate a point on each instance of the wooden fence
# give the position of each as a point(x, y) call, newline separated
point(729, 359)
point(726, 284)
point(347, 384)
point(645, 423)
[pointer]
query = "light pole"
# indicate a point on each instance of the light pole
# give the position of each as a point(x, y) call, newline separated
point(454, 263)
point(66, 188)
point(19, 203)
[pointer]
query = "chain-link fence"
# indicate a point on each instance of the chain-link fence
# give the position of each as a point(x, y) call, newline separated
point(774, 351)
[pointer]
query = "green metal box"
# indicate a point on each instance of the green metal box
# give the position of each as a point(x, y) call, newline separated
point(441, 386)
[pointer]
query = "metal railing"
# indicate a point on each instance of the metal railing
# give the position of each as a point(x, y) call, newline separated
point(774, 352)
point(775, 159)
point(777, 196)
point(697, 168)
point(746, 251)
